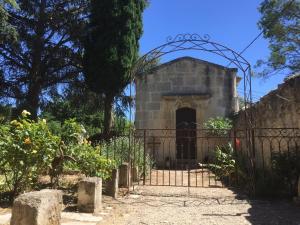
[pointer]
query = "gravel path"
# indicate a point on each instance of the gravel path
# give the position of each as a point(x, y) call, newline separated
point(204, 206)
point(156, 205)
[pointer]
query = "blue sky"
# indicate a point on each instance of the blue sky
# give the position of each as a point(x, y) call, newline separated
point(231, 22)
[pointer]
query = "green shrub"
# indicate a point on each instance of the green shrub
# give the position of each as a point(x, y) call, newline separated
point(218, 126)
point(72, 133)
point(91, 163)
point(27, 149)
point(224, 165)
point(280, 180)
point(121, 150)
point(286, 170)
point(84, 157)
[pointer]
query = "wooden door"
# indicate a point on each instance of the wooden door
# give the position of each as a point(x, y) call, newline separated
point(186, 133)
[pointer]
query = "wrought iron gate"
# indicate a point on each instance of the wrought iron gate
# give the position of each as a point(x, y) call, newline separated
point(165, 161)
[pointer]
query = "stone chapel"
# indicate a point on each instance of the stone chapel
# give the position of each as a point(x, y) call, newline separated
point(185, 91)
point(175, 99)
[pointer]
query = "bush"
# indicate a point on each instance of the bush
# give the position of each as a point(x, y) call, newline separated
point(92, 164)
point(79, 154)
point(73, 133)
point(281, 179)
point(27, 149)
point(286, 169)
point(218, 126)
point(225, 164)
point(119, 150)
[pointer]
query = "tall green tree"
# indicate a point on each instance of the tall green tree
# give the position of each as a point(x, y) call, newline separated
point(280, 23)
point(48, 50)
point(112, 48)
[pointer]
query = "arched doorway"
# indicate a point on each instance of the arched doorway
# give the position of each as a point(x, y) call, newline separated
point(185, 134)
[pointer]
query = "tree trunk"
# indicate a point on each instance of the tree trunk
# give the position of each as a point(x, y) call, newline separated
point(108, 105)
point(37, 75)
point(32, 101)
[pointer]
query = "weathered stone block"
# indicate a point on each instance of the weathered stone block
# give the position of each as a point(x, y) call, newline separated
point(153, 106)
point(155, 97)
point(124, 175)
point(191, 81)
point(37, 208)
point(90, 195)
point(182, 67)
point(163, 86)
point(112, 186)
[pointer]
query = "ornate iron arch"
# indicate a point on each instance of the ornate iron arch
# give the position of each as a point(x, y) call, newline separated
point(183, 42)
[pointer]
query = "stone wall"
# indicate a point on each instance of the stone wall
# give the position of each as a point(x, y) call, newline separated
point(278, 109)
point(272, 115)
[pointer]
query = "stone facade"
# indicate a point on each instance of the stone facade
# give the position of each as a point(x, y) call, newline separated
point(208, 89)
point(184, 82)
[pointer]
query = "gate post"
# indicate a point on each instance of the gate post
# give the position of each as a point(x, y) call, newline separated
point(125, 175)
point(236, 155)
point(251, 154)
point(189, 162)
point(144, 169)
point(253, 159)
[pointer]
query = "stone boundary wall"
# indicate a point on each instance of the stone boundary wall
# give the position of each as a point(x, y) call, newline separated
point(278, 109)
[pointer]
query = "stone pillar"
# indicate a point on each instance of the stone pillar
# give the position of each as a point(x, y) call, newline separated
point(37, 208)
point(135, 174)
point(112, 186)
point(90, 195)
point(124, 175)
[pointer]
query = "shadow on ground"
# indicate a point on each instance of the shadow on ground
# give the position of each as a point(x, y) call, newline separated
point(273, 212)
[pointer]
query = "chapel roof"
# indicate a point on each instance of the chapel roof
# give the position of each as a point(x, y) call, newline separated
point(200, 61)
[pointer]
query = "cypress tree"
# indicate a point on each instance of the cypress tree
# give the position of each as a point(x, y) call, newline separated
point(112, 48)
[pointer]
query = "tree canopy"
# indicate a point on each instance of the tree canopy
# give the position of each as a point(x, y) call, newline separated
point(280, 24)
point(48, 50)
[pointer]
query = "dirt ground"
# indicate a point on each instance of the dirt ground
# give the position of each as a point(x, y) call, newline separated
point(201, 206)
point(169, 205)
